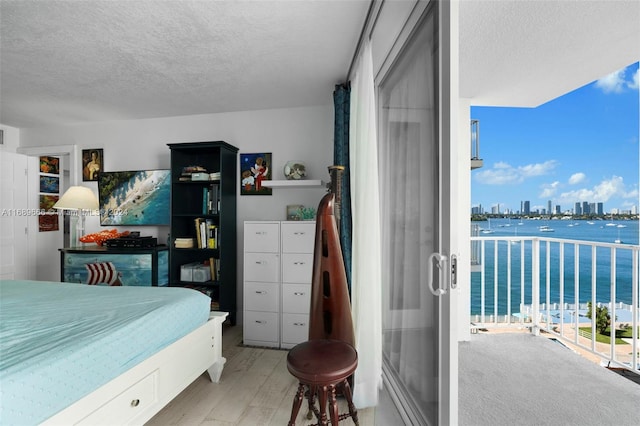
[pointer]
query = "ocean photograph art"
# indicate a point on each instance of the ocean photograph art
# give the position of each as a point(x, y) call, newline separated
point(134, 198)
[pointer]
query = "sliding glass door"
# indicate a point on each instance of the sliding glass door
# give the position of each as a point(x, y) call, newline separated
point(415, 315)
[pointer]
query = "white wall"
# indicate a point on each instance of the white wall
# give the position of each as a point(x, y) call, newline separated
point(11, 139)
point(304, 134)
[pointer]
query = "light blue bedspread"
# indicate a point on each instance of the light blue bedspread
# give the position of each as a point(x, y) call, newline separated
point(61, 341)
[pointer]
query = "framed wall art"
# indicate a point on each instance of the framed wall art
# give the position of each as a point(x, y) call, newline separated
point(92, 160)
point(49, 220)
point(50, 165)
point(49, 184)
point(254, 170)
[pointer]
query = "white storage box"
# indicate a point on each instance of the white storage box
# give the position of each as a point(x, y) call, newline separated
point(186, 271)
point(201, 273)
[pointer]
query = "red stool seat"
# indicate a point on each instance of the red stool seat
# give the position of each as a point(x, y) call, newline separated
point(322, 368)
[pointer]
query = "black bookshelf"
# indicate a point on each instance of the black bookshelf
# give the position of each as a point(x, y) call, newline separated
point(211, 200)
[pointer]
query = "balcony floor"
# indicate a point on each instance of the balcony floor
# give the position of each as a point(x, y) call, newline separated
point(515, 378)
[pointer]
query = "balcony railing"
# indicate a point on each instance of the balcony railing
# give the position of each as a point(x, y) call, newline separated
point(549, 284)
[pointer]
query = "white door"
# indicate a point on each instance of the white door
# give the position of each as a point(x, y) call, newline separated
point(415, 160)
point(14, 216)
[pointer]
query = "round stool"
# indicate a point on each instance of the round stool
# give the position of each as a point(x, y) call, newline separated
point(323, 366)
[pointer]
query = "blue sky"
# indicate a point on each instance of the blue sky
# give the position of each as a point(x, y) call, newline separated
point(582, 146)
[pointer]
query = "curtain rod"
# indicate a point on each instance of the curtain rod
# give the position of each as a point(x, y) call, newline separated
point(367, 24)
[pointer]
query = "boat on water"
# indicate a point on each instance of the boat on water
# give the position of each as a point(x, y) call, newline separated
point(622, 226)
point(545, 228)
point(488, 230)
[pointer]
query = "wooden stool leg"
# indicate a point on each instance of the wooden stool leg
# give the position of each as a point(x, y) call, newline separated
point(297, 402)
point(346, 390)
point(333, 406)
point(311, 399)
point(322, 400)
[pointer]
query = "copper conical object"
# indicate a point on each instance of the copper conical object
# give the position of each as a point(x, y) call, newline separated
point(330, 312)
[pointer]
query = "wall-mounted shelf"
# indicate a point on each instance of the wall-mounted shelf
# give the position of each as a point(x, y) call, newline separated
point(294, 183)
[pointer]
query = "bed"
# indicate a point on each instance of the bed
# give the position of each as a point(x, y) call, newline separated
point(80, 354)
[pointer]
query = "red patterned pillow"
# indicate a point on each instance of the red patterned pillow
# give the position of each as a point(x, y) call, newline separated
point(100, 237)
point(102, 272)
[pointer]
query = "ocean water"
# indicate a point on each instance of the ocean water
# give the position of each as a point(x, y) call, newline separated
point(590, 264)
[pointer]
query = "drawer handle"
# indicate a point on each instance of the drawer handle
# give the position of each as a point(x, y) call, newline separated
point(260, 292)
point(299, 233)
point(261, 262)
point(298, 263)
point(260, 322)
point(298, 293)
point(135, 402)
point(299, 324)
point(261, 233)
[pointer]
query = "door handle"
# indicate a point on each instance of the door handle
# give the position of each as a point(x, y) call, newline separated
point(441, 265)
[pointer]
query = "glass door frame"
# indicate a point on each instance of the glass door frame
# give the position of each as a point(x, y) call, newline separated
point(449, 243)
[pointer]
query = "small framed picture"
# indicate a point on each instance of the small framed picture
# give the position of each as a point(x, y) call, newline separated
point(294, 212)
point(49, 184)
point(50, 165)
point(92, 160)
point(254, 170)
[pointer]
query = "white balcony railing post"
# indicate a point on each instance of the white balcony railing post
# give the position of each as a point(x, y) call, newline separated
point(535, 285)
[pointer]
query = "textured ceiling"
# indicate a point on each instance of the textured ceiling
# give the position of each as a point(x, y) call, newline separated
point(527, 52)
point(64, 62)
point(78, 61)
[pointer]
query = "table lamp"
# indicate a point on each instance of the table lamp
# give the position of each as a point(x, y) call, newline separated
point(79, 199)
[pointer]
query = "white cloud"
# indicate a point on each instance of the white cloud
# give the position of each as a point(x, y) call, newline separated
point(549, 190)
point(612, 83)
point(576, 178)
point(505, 174)
point(602, 192)
point(635, 80)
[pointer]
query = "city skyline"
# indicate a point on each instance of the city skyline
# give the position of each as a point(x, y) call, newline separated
point(578, 209)
point(580, 147)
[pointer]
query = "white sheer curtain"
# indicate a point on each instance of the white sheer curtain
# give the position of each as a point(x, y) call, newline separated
point(366, 275)
point(409, 219)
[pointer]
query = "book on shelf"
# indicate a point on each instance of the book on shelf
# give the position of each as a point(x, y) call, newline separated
point(211, 199)
point(206, 233)
point(212, 268)
point(212, 234)
point(197, 223)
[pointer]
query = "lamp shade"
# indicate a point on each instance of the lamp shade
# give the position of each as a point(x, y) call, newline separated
point(77, 198)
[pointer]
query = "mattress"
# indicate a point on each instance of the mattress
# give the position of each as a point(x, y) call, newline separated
point(61, 341)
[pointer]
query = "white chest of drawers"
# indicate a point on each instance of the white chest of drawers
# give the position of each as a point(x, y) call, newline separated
point(278, 263)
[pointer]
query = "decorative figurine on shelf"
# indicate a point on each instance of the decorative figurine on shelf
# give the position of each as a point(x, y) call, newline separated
point(295, 170)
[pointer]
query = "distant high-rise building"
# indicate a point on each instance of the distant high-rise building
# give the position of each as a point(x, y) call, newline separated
point(634, 209)
point(526, 209)
point(578, 210)
point(585, 207)
point(549, 209)
point(592, 208)
point(558, 211)
point(600, 208)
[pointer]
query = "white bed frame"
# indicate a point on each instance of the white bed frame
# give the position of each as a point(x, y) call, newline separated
point(137, 395)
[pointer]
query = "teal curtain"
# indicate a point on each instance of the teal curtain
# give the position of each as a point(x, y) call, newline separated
point(341, 102)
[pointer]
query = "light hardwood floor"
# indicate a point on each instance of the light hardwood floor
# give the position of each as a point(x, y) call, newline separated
point(255, 389)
